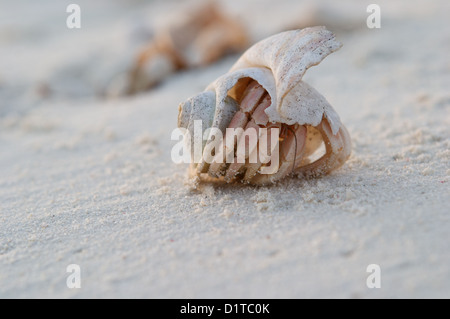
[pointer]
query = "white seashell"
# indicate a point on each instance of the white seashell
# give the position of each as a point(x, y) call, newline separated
point(277, 64)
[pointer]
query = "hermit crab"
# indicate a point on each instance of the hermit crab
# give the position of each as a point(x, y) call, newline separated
point(264, 93)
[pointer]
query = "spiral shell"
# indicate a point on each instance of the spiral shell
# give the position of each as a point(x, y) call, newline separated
point(273, 68)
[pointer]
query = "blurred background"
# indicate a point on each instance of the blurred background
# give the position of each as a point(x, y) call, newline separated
point(86, 175)
point(43, 59)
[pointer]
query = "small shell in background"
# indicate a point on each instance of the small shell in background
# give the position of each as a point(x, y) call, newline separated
point(264, 89)
point(196, 38)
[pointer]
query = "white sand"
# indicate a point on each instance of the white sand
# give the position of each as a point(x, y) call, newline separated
point(89, 181)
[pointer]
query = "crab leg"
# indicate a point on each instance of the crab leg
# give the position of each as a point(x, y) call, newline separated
point(243, 145)
point(259, 118)
point(292, 150)
point(252, 95)
point(338, 148)
point(218, 163)
point(252, 116)
point(263, 155)
point(259, 115)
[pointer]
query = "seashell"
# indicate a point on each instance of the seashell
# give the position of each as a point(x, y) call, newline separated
point(196, 38)
point(264, 90)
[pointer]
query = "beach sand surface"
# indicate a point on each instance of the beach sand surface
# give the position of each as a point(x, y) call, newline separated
point(90, 181)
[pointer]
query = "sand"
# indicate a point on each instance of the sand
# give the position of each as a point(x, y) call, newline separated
point(87, 180)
